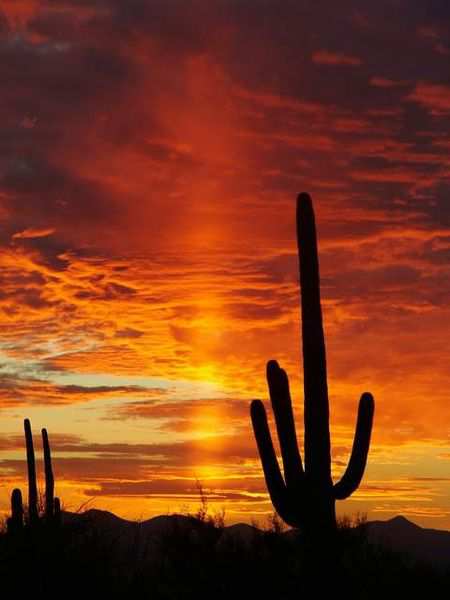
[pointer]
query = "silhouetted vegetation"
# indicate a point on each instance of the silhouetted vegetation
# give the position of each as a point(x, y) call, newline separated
point(189, 557)
point(306, 496)
point(33, 516)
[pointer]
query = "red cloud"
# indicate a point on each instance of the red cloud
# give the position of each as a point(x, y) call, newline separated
point(324, 57)
point(434, 97)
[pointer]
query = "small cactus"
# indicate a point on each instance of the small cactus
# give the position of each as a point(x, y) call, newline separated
point(57, 512)
point(15, 521)
point(305, 497)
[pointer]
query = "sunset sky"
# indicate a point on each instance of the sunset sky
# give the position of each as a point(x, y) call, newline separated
point(150, 155)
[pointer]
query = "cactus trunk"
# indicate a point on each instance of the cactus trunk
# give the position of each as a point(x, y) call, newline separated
point(316, 408)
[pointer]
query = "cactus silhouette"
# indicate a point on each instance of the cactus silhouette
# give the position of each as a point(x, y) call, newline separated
point(57, 512)
point(33, 512)
point(52, 512)
point(49, 480)
point(305, 497)
point(15, 522)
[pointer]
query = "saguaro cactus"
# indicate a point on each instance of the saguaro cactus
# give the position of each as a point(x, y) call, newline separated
point(33, 512)
point(15, 521)
point(306, 496)
point(52, 504)
point(49, 480)
point(57, 512)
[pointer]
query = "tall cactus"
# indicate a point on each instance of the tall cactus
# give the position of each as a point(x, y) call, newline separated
point(306, 496)
point(33, 512)
point(49, 479)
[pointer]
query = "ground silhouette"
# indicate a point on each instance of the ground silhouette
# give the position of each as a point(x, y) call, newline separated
point(184, 557)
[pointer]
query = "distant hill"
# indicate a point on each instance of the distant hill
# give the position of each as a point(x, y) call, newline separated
point(398, 534)
point(124, 536)
point(429, 545)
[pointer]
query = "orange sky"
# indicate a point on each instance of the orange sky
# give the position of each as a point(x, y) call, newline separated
point(150, 157)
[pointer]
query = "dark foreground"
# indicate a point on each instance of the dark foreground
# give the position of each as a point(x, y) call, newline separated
point(179, 557)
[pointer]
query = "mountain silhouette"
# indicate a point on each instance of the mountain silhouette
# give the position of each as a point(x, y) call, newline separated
point(398, 534)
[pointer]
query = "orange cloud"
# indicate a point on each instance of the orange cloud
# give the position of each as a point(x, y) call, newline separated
point(32, 233)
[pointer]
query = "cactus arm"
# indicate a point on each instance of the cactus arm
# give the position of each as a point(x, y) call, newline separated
point(33, 514)
point(49, 479)
point(316, 413)
point(272, 474)
point(282, 407)
point(358, 459)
